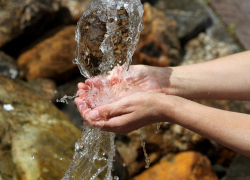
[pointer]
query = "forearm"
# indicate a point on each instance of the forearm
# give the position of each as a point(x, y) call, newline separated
point(227, 128)
point(225, 78)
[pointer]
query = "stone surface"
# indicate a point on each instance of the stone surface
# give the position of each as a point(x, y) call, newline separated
point(190, 15)
point(107, 35)
point(204, 48)
point(239, 169)
point(76, 7)
point(183, 166)
point(25, 17)
point(236, 15)
point(37, 140)
point(9, 67)
point(52, 57)
point(159, 44)
point(171, 138)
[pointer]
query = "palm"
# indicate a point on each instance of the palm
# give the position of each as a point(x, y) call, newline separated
point(147, 78)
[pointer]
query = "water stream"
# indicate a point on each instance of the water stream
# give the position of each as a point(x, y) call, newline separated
point(107, 35)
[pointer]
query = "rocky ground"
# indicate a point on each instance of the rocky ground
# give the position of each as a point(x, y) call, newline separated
point(37, 46)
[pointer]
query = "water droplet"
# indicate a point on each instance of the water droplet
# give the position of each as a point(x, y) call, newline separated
point(32, 157)
point(55, 91)
point(124, 165)
point(61, 159)
point(116, 178)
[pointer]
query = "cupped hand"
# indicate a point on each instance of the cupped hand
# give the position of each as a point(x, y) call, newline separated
point(129, 113)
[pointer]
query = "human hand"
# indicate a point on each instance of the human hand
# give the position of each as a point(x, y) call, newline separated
point(147, 78)
point(129, 113)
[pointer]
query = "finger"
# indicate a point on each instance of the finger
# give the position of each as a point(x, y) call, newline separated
point(108, 111)
point(82, 86)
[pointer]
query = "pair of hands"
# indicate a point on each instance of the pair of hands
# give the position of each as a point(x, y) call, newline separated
point(132, 111)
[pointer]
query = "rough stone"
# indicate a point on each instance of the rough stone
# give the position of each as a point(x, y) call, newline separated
point(239, 169)
point(9, 67)
point(191, 17)
point(171, 138)
point(25, 17)
point(37, 140)
point(76, 7)
point(52, 57)
point(183, 166)
point(159, 44)
point(204, 48)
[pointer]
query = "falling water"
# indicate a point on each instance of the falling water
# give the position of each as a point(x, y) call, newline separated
point(107, 35)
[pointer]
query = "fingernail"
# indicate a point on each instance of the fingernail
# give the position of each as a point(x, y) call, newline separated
point(94, 114)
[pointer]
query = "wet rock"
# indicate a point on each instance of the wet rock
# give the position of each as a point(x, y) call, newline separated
point(45, 87)
point(9, 67)
point(76, 7)
point(239, 169)
point(204, 48)
point(186, 165)
point(52, 57)
point(25, 17)
point(191, 17)
point(171, 138)
point(159, 44)
point(37, 140)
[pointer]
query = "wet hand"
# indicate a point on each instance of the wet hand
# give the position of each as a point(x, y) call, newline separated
point(129, 113)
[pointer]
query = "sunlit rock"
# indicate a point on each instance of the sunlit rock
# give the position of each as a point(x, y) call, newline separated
point(37, 140)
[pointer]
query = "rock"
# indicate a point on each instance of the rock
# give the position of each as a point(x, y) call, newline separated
point(191, 17)
point(52, 57)
point(239, 169)
point(171, 138)
point(159, 44)
point(9, 67)
point(76, 7)
point(183, 166)
point(37, 140)
point(25, 17)
point(45, 87)
point(204, 48)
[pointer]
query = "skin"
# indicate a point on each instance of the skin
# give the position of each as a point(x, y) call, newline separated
point(167, 98)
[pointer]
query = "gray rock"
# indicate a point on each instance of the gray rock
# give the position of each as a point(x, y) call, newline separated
point(205, 48)
point(37, 140)
point(190, 15)
point(25, 17)
point(239, 169)
point(8, 66)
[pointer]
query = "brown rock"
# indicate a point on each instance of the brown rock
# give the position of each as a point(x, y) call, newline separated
point(159, 44)
point(76, 7)
point(183, 166)
point(52, 57)
point(25, 17)
point(36, 139)
point(171, 138)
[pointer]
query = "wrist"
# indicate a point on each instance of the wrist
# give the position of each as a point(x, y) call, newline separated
point(173, 80)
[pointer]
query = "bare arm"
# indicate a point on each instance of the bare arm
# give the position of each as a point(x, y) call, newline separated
point(226, 78)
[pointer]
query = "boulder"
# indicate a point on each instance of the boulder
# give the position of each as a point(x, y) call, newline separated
point(170, 138)
point(9, 67)
point(52, 57)
point(76, 7)
point(25, 17)
point(37, 140)
point(239, 169)
point(204, 48)
point(158, 44)
point(183, 166)
point(191, 17)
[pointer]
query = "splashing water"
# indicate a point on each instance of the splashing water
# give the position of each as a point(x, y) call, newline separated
point(107, 35)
